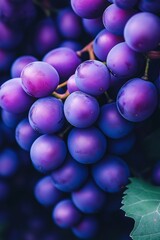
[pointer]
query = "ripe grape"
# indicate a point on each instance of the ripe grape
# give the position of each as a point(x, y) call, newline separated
point(48, 152)
point(80, 109)
point(112, 123)
point(111, 173)
point(65, 214)
point(87, 145)
point(53, 117)
point(46, 193)
point(137, 100)
point(39, 79)
point(11, 92)
point(92, 77)
point(141, 32)
point(89, 198)
point(70, 175)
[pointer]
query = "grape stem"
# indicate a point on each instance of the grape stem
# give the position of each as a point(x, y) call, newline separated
point(88, 48)
point(61, 96)
point(145, 76)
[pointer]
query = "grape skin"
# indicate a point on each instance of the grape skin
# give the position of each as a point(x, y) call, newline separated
point(80, 109)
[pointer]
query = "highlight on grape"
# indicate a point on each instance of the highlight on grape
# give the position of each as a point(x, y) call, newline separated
point(79, 118)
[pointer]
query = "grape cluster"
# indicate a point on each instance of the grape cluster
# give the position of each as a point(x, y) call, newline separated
point(79, 95)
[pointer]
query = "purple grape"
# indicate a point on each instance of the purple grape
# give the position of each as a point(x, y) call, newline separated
point(51, 109)
point(87, 145)
point(149, 6)
point(48, 152)
point(123, 61)
point(46, 36)
point(13, 98)
point(155, 176)
point(141, 32)
point(137, 100)
point(104, 42)
point(9, 38)
point(86, 8)
point(46, 193)
point(89, 198)
point(115, 19)
point(26, 13)
point(65, 214)
point(111, 122)
point(69, 176)
point(125, 4)
point(69, 24)
point(121, 146)
point(92, 77)
point(93, 26)
point(111, 173)
point(64, 60)
point(87, 228)
point(11, 119)
point(39, 79)
point(9, 162)
point(71, 84)
point(25, 135)
point(19, 63)
point(80, 109)
point(75, 46)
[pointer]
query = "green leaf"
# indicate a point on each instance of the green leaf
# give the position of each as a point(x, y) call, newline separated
point(141, 201)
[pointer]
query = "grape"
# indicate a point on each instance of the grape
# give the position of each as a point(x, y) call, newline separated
point(80, 109)
point(9, 38)
point(69, 24)
point(46, 36)
point(125, 4)
point(53, 117)
point(128, 66)
point(87, 145)
point(141, 32)
point(71, 84)
point(11, 119)
point(111, 173)
point(48, 152)
point(115, 19)
point(87, 228)
point(93, 26)
point(64, 60)
point(46, 193)
point(69, 176)
point(112, 123)
point(11, 92)
point(149, 6)
point(46, 115)
point(25, 135)
point(104, 42)
point(137, 100)
point(26, 13)
point(92, 77)
point(89, 198)
point(65, 214)
point(122, 145)
point(39, 79)
point(19, 64)
point(9, 162)
point(86, 8)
